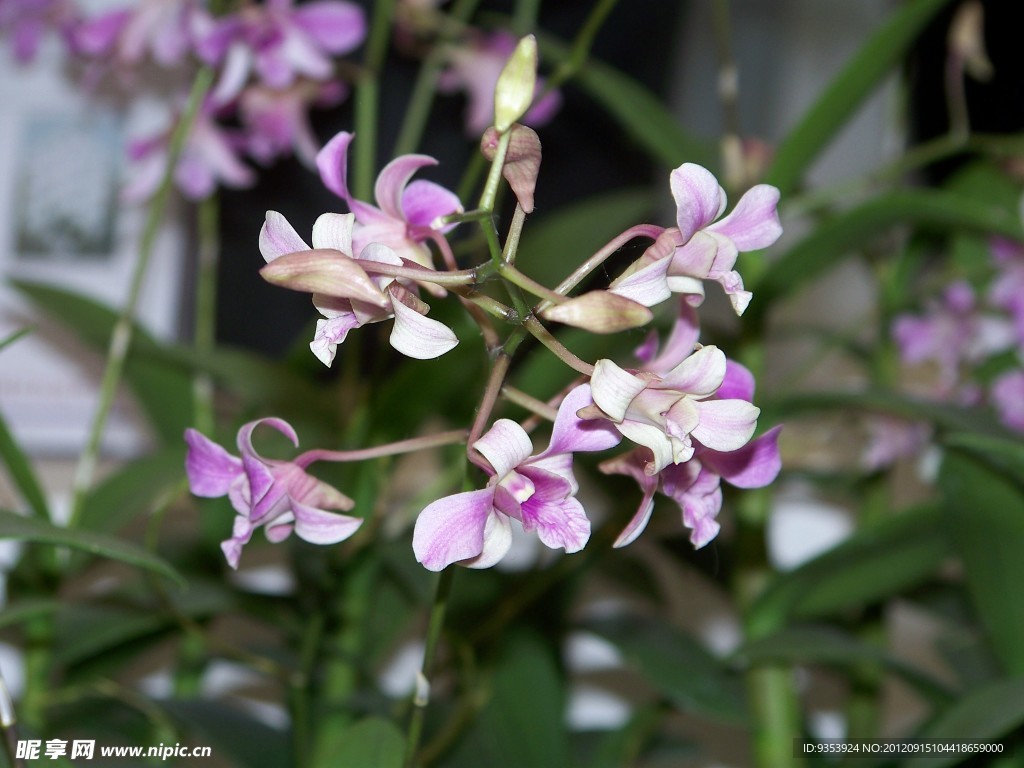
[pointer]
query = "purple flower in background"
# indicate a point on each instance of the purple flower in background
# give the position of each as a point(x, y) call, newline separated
point(408, 213)
point(702, 246)
point(210, 156)
point(474, 528)
point(667, 413)
point(276, 121)
point(1007, 395)
point(346, 295)
point(1007, 290)
point(474, 67)
point(27, 21)
point(280, 42)
point(278, 496)
point(161, 28)
point(695, 485)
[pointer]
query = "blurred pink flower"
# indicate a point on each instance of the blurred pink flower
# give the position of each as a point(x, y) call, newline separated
point(276, 121)
point(1007, 395)
point(27, 21)
point(161, 28)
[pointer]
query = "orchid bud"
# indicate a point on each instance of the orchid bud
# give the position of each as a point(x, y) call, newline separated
point(522, 162)
point(600, 312)
point(516, 84)
point(324, 271)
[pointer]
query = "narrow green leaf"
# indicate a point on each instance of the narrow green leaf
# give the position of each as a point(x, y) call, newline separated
point(26, 610)
point(7, 341)
point(828, 645)
point(1005, 452)
point(15, 526)
point(246, 741)
point(373, 741)
point(21, 473)
point(874, 563)
point(678, 666)
point(885, 50)
point(985, 713)
point(984, 513)
point(837, 238)
point(641, 114)
point(134, 490)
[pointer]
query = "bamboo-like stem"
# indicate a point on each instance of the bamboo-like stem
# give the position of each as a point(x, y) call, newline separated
point(205, 332)
point(367, 99)
point(728, 96)
point(580, 50)
point(422, 696)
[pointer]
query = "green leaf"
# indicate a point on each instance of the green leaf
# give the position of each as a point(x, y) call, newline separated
point(371, 742)
point(21, 473)
point(134, 490)
point(828, 645)
point(163, 390)
point(246, 741)
point(837, 238)
point(885, 50)
point(1004, 452)
point(984, 514)
point(15, 526)
point(26, 610)
point(522, 724)
point(678, 666)
point(7, 341)
point(641, 114)
point(985, 713)
point(876, 562)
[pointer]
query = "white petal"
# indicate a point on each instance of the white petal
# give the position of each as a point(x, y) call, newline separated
point(726, 425)
point(613, 389)
point(505, 445)
point(420, 337)
point(334, 230)
point(278, 237)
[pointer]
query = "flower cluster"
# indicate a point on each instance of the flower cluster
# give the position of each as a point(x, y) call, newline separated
point(273, 61)
point(686, 409)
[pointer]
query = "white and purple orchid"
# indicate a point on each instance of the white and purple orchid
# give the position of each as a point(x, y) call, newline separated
point(276, 121)
point(409, 213)
point(347, 291)
point(279, 496)
point(474, 528)
point(26, 22)
point(161, 29)
point(695, 485)
point(280, 42)
point(702, 246)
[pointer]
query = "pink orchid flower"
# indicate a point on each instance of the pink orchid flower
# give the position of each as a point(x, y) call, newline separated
point(666, 413)
point(161, 28)
point(209, 157)
point(408, 213)
point(278, 496)
point(474, 67)
point(27, 21)
point(276, 121)
point(695, 485)
point(1007, 395)
point(702, 246)
point(280, 42)
point(1007, 289)
point(351, 297)
point(474, 528)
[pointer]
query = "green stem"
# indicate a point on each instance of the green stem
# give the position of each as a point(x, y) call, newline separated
point(367, 100)
point(528, 284)
point(206, 309)
point(728, 95)
point(422, 696)
point(121, 337)
point(580, 50)
point(524, 19)
point(490, 192)
point(389, 449)
point(515, 232)
point(529, 402)
point(543, 335)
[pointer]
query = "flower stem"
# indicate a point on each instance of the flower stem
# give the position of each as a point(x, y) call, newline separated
point(728, 95)
point(367, 100)
point(543, 335)
point(583, 270)
point(204, 336)
point(528, 284)
point(422, 695)
point(121, 337)
point(580, 50)
point(529, 402)
point(421, 274)
point(490, 193)
point(379, 451)
point(490, 396)
point(515, 231)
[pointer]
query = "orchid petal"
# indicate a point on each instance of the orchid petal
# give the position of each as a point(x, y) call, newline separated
point(754, 222)
point(278, 237)
point(244, 439)
point(696, 258)
point(334, 230)
point(571, 433)
point(234, 74)
point(647, 285)
point(318, 526)
point(755, 465)
point(337, 27)
point(505, 446)
point(699, 198)
point(393, 179)
point(726, 425)
point(452, 528)
point(211, 470)
point(699, 375)
point(332, 162)
point(424, 201)
point(240, 535)
point(419, 337)
point(738, 383)
point(682, 342)
point(558, 518)
point(613, 388)
point(653, 438)
point(497, 542)
point(324, 271)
